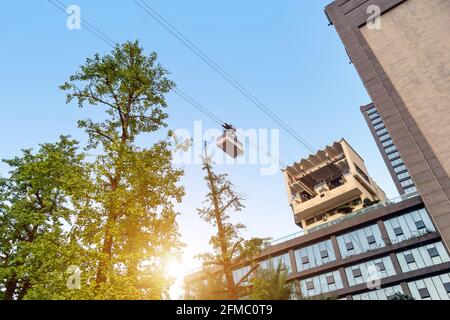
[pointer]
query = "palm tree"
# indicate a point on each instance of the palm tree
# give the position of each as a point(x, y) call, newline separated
point(401, 296)
point(211, 288)
point(271, 284)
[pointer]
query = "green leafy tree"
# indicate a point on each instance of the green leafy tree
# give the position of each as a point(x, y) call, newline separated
point(37, 204)
point(229, 249)
point(129, 226)
point(271, 284)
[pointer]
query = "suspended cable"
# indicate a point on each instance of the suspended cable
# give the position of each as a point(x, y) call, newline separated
point(102, 36)
point(225, 75)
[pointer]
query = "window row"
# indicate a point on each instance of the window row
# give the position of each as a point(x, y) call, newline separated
point(406, 226)
point(314, 255)
point(409, 225)
point(380, 294)
point(321, 284)
point(422, 257)
point(370, 272)
point(434, 288)
point(360, 241)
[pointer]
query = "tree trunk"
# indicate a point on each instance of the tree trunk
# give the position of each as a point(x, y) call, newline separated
point(102, 274)
point(106, 251)
point(11, 287)
point(226, 264)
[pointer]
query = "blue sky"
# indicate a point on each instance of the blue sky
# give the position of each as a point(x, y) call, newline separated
point(282, 51)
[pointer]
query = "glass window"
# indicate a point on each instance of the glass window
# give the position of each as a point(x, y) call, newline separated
point(447, 287)
point(314, 255)
point(387, 143)
point(420, 224)
point(403, 176)
point(422, 257)
point(409, 258)
point(375, 269)
point(410, 190)
point(400, 168)
point(357, 273)
point(384, 137)
point(407, 223)
point(357, 241)
point(435, 288)
point(379, 126)
point(377, 121)
point(390, 149)
point(406, 183)
point(374, 115)
point(371, 111)
point(398, 231)
point(283, 259)
point(239, 274)
point(382, 131)
point(380, 294)
point(394, 155)
point(424, 293)
point(433, 252)
point(396, 162)
point(319, 284)
point(380, 266)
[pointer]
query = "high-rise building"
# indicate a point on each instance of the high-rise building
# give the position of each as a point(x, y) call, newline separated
point(401, 50)
point(355, 244)
point(397, 167)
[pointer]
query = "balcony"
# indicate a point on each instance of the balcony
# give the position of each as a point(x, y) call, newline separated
point(330, 195)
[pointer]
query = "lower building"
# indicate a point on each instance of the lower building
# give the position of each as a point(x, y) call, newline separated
point(372, 251)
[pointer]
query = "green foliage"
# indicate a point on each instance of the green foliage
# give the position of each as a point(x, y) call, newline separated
point(113, 217)
point(367, 202)
point(401, 296)
point(129, 226)
point(38, 202)
point(321, 296)
point(271, 284)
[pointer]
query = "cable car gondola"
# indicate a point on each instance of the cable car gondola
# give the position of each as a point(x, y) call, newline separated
point(229, 142)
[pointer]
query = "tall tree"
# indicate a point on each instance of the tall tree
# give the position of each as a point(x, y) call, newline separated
point(130, 226)
point(229, 248)
point(37, 204)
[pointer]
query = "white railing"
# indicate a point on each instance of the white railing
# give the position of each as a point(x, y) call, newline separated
point(359, 212)
point(362, 211)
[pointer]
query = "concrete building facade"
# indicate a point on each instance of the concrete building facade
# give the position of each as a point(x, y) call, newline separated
point(403, 59)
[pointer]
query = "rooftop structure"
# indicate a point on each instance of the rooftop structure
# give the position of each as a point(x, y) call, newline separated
point(329, 184)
